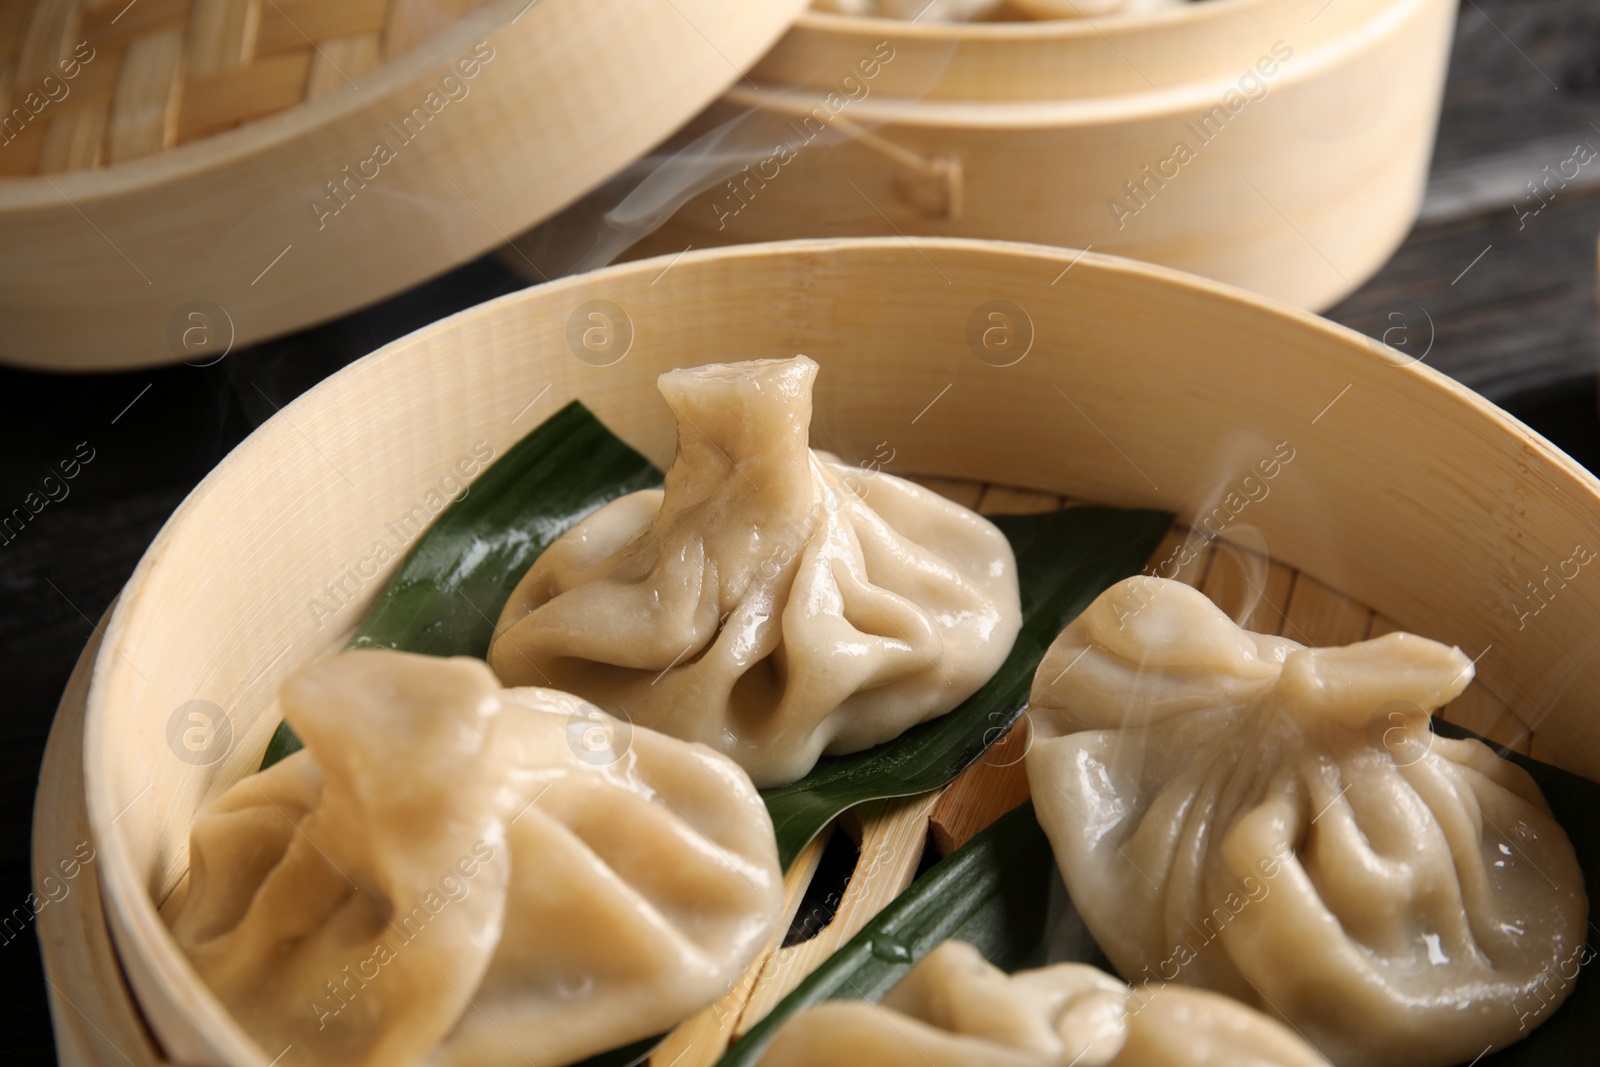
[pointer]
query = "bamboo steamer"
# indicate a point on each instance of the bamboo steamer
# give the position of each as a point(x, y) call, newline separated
point(1299, 188)
point(181, 176)
point(1043, 373)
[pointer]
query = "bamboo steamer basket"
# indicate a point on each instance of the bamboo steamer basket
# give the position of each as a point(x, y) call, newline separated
point(180, 176)
point(1031, 131)
point(1410, 502)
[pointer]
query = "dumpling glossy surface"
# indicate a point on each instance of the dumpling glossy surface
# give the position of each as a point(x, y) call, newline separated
point(451, 873)
point(770, 602)
point(954, 1009)
point(1279, 823)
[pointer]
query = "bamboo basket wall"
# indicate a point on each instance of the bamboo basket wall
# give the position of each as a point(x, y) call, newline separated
point(167, 159)
point(1410, 502)
point(1031, 131)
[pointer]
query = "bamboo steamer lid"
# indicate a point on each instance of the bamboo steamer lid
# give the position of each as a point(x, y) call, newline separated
point(1281, 146)
point(181, 176)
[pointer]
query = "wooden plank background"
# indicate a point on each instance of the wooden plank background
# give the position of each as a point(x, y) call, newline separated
point(1524, 91)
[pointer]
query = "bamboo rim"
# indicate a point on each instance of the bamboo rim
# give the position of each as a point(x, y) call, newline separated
point(1043, 114)
point(1088, 26)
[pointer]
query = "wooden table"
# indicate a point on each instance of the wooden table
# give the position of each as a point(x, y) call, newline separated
point(1507, 279)
point(1511, 303)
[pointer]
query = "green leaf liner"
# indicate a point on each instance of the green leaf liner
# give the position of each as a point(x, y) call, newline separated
point(993, 893)
point(447, 595)
point(1064, 560)
point(450, 589)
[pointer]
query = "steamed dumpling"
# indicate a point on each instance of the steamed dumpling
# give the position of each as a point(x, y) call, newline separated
point(771, 602)
point(449, 864)
point(954, 1009)
point(1278, 823)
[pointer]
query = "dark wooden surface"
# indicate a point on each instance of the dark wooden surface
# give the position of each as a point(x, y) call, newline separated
point(1520, 326)
point(1524, 92)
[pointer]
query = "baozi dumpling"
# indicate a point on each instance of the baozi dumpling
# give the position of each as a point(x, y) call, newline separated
point(1278, 823)
point(954, 1009)
point(770, 602)
point(447, 874)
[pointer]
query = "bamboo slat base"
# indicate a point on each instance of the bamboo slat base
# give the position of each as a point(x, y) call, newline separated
point(98, 1025)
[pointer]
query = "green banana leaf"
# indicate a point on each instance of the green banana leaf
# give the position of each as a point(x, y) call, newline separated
point(450, 589)
point(449, 592)
point(991, 894)
point(1064, 560)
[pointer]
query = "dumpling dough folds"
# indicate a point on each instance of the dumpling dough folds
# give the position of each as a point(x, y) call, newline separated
point(954, 1009)
point(770, 602)
point(449, 874)
point(1279, 823)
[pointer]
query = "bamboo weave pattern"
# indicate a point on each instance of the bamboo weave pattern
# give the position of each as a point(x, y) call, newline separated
point(87, 83)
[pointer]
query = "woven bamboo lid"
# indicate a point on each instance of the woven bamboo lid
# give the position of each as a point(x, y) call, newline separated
point(182, 176)
point(115, 81)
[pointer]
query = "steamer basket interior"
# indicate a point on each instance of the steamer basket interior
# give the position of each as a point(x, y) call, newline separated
point(1046, 370)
